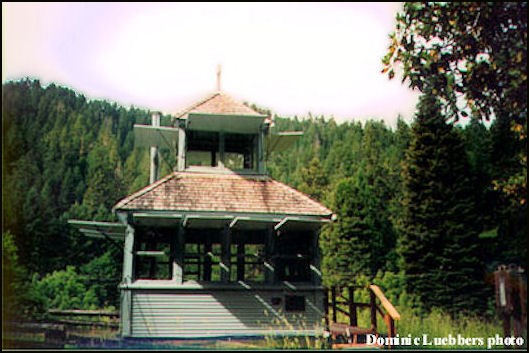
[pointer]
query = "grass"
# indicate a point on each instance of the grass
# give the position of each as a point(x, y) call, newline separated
point(440, 325)
point(436, 325)
point(441, 330)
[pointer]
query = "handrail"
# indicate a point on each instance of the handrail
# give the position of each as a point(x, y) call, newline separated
point(390, 309)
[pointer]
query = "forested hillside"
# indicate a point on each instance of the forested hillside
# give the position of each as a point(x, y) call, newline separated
point(68, 157)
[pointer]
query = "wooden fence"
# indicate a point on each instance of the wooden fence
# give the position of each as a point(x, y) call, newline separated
point(62, 327)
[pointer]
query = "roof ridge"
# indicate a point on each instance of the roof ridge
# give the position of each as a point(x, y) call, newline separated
point(143, 191)
point(198, 103)
point(222, 96)
point(301, 194)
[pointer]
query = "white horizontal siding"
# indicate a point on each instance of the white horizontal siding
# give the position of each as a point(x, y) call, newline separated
point(222, 313)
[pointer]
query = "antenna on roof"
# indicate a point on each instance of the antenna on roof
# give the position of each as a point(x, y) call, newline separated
point(219, 73)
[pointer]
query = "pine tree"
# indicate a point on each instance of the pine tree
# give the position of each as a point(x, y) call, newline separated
point(314, 180)
point(349, 246)
point(438, 241)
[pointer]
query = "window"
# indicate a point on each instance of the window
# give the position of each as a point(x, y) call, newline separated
point(203, 254)
point(247, 262)
point(293, 257)
point(202, 148)
point(152, 258)
point(240, 151)
point(212, 149)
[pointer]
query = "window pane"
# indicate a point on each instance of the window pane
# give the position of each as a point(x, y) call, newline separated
point(199, 158)
point(152, 258)
point(202, 262)
point(202, 148)
point(293, 258)
point(254, 266)
point(240, 151)
point(234, 161)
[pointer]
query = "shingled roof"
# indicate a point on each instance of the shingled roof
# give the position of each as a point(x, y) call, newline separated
point(218, 103)
point(230, 193)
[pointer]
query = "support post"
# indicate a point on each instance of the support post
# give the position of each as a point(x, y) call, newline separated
point(270, 249)
point(315, 260)
point(128, 255)
point(222, 153)
point(181, 157)
point(260, 152)
point(178, 255)
point(128, 270)
point(506, 325)
point(373, 307)
point(225, 263)
point(390, 323)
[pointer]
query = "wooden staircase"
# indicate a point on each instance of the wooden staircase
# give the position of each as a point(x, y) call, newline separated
point(348, 334)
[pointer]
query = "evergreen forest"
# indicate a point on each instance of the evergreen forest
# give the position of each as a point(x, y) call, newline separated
point(65, 157)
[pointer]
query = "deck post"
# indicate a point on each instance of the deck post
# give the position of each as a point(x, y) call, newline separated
point(373, 307)
point(128, 255)
point(390, 323)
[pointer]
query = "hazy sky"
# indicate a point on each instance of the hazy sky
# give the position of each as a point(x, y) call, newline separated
point(293, 58)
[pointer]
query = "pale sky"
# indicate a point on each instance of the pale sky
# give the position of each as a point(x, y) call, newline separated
point(292, 58)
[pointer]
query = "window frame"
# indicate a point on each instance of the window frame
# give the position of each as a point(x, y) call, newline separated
point(220, 145)
point(147, 254)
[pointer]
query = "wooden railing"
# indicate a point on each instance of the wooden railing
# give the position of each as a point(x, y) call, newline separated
point(63, 327)
point(391, 314)
point(346, 305)
point(85, 317)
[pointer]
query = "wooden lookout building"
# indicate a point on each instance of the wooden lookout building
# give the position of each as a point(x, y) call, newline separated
point(218, 248)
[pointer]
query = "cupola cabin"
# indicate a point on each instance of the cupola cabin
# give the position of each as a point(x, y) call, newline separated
point(217, 248)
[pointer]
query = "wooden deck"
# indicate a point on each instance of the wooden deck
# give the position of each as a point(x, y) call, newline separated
point(348, 335)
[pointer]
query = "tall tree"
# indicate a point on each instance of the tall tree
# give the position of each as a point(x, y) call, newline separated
point(438, 232)
point(314, 180)
point(478, 49)
point(350, 245)
point(473, 55)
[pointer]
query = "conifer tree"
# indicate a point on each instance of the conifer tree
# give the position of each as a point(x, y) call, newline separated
point(314, 180)
point(349, 245)
point(438, 231)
